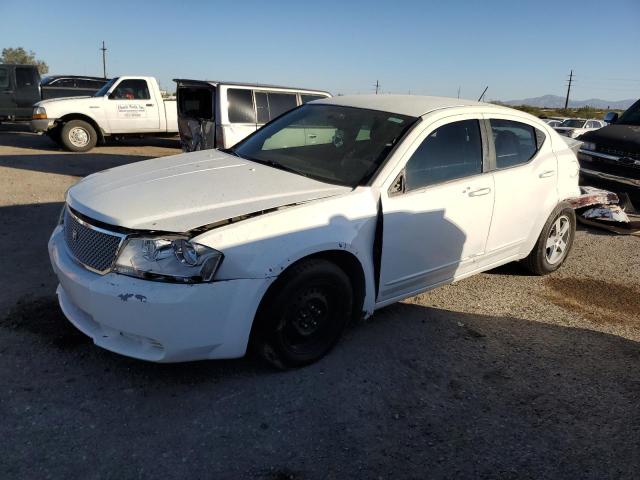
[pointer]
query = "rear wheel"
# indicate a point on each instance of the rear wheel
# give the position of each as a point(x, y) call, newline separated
point(78, 136)
point(304, 314)
point(554, 243)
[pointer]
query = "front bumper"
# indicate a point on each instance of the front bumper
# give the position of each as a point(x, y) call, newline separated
point(156, 321)
point(42, 125)
point(614, 174)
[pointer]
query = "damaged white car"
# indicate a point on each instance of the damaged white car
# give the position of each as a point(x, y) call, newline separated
point(329, 212)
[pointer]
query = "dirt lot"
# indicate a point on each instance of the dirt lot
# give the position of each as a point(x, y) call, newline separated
point(503, 375)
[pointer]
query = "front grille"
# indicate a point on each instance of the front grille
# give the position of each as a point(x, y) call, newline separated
point(617, 152)
point(91, 246)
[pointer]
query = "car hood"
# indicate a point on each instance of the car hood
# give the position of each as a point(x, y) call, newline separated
point(53, 101)
point(620, 137)
point(183, 192)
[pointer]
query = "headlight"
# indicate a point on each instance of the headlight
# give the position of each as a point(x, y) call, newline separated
point(168, 258)
point(589, 146)
point(39, 113)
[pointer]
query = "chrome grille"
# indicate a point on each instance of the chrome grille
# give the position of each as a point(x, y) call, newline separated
point(618, 153)
point(93, 247)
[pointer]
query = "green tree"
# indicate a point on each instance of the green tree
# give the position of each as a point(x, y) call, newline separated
point(20, 55)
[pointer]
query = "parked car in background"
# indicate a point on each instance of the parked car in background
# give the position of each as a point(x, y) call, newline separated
point(574, 127)
point(123, 106)
point(552, 122)
point(19, 90)
point(214, 114)
point(281, 240)
point(57, 86)
point(610, 156)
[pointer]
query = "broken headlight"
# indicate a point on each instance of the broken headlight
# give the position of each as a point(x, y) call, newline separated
point(169, 258)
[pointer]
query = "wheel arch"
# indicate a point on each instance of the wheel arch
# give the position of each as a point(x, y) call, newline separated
point(86, 118)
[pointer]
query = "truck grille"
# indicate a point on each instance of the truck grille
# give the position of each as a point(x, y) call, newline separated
point(617, 152)
point(92, 247)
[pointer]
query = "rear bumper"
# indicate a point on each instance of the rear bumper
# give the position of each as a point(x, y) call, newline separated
point(42, 125)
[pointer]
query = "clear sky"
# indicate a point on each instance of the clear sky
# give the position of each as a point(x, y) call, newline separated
point(518, 48)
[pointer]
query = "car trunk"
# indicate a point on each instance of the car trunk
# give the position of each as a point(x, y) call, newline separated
point(196, 115)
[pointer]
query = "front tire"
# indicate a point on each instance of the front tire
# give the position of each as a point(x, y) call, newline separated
point(554, 243)
point(304, 314)
point(78, 136)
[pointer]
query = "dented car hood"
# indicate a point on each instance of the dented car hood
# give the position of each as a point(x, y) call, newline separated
point(183, 192)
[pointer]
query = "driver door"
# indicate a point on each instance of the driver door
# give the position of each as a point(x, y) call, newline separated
point(437, 212)
point(131, 108)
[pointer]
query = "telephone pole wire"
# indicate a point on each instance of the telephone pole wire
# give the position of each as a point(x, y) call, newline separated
point(566, 101)
point(104, 60)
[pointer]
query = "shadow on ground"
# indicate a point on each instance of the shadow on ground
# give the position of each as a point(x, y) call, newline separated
point(414, 392)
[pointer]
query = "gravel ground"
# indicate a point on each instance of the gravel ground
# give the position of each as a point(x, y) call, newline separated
point(503, 375)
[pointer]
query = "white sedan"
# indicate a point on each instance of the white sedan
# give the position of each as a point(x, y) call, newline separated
point(574, 127)
point(329, 212)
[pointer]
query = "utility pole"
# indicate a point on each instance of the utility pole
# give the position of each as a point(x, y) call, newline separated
point(566, 101)
point(483, 92)
point(104, 61)
point(377, 86)
point(458, 92)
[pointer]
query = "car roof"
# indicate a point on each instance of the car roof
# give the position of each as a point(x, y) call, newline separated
point(411, 105)
point(215, 83)
point(86, 77)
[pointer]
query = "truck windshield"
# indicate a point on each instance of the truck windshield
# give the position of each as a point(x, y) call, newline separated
point(573, 123)
point(329, 143)
point(105, 88)
point(632, 115)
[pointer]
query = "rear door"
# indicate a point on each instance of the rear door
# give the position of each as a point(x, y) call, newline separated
point(27, 90)
point(525, 175)
point(7, 100)
point(132, 107)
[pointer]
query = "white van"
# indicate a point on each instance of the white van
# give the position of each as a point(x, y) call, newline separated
point(214, 114)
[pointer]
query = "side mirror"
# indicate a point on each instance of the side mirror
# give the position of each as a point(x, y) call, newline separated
point(611, 117)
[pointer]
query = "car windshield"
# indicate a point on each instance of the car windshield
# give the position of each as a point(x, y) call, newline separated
point(329, 143)
point(573, 123)
point(105, 88)
point(632, 115)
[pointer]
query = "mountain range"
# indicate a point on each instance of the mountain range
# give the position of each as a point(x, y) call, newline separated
point(555, 101)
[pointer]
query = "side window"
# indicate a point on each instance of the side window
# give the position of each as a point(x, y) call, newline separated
point(270, 105)
point(516, 143)
point(63, 82)
point(240, 103)
point(131, 90)
point(452, 151)
point(310, 98)
point(5, 84)
point(25, 77)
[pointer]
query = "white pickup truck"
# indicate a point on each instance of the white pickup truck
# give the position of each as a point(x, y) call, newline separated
point(130, 105)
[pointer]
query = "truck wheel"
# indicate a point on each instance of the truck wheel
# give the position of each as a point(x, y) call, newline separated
point(78, 136)
point(304, 314)
point(554, 242)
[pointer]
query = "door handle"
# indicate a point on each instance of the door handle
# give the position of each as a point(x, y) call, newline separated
point(479, 192)
point(313, 136)
point(149, 104)
point(547, 174)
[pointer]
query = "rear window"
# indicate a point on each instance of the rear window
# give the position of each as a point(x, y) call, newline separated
point(196, 102)
point(240, 103)
point(26, 77)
